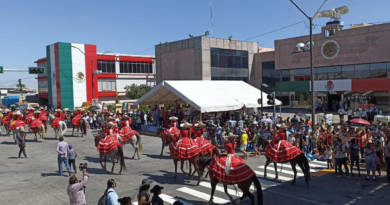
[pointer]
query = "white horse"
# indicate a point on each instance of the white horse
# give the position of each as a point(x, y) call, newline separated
point(61, 130)
point(16, 132)
point(135, 141)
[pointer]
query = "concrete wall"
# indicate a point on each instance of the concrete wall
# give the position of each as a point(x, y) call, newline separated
point(357, 46)
point(257, 71)
point(190, 59)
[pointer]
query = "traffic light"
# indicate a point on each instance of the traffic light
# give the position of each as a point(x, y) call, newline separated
point(271, 99)
point(36, 70)
point(1, 70)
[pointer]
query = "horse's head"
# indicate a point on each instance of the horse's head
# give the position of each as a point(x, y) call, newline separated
point(97, 139)
point(159, 131)
point(203, 163)
point(169, 138)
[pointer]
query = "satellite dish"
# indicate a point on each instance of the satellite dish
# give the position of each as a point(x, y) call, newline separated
point(335, 14)
point(307, 46)
point(191, 35)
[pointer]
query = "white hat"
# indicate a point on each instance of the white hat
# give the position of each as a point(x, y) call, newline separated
point(199, 124)
point(58, 110)
point(283, 126)
point(186, 125)
point(173, 118)
point(111, 124)
point(17, 113)
point(37, 112)
point(6, 110)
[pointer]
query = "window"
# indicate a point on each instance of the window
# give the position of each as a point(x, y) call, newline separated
point(106, 85)
point(348, 72)
point(106, 66)
point(302, 74)
point(135, 67)
point(321, 73)
point(42, 87)
point(228, 64)
point(334, 73)
point(378, 70)
point(362, 71)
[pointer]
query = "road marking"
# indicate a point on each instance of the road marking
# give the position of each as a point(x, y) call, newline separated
point(271, 168)
point(221, 189)
point(202, 195)
point(269, 183)
point(171, 200)
point(168, 199)
point(288, 166)
point(273, 176)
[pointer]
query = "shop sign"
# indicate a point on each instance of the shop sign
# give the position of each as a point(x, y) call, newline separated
point(333, 85)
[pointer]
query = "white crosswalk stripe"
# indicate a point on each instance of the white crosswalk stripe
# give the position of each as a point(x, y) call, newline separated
point(202, 195)
point(271, 176)
point(171, 200)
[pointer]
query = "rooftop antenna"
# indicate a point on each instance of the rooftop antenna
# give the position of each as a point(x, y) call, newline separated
point(211, 17)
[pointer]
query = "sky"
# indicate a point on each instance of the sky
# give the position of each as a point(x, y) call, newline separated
point(136, 26)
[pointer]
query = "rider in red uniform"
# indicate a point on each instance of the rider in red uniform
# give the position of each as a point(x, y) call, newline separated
point(7, 118)
point(230, 169)
point(109, 140)
point(281, 150)
point(205, 146)
point(172, 130)
point(29, 116)
point(76, 119)
point(43, 116)
point(36, 120)
point(186, 147)
point(16, 121)
point(126, 132)
point(59, 116)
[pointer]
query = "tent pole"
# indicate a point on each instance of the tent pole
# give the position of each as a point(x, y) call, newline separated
point(200, 117)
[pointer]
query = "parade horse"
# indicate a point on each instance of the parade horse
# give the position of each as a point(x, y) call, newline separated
point(244, 186)
point(45, 123)
point(16, 132)
point(170, 139)
point(82, 127)
point(6, 126)
point(300, 159)
point(61, 130)
point(116, 153)
point(135, 142)
point(41, 131)
point(160, 130)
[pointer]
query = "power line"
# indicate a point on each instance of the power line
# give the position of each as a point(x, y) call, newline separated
point(137, 53)
point(11, 81)
point(275, 30)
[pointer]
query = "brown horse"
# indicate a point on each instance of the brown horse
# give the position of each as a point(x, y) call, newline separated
point(116, 153)
point(82, 127)
point(45, 123)
point(193, 161)
point(160, 130)
point(301, 160)
point(41, 131)
point(244, 186)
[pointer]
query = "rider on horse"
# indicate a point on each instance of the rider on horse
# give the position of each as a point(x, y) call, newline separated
point(30, 115)
point(205, 146)
point(109, 139)
point(186, 147)
point(59, 116)
point(76, 119)
point(36, 121)
point(126, 132)
point(42, 116)
point(7, 118)
point(230, 169)
point(17, 121)
point(281, 150)
point(172, 130)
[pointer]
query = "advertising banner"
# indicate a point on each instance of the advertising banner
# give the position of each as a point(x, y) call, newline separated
point(333, 85)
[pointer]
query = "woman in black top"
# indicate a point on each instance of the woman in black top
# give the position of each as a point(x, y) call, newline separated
point(143, 193)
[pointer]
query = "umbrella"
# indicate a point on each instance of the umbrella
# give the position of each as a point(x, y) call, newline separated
point(301, 115)
point(360, 121)
point(267, 120)
point(104, 110)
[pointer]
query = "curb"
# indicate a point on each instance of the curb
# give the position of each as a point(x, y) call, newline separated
point(148, 134)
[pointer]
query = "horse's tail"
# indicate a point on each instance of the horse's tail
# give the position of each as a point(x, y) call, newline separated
point(43, 131)
point(259, 193)
point(122, 157)
point(306, 166)
point(63, 128)
point(83, 126)
point(139, 144)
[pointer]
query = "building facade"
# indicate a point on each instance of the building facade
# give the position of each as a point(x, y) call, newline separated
point(69, 81)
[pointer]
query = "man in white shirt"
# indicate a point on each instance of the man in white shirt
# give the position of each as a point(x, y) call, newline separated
point(290, 138)
point(341, 113)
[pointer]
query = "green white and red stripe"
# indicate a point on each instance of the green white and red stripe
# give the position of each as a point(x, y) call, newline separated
point(70, 74)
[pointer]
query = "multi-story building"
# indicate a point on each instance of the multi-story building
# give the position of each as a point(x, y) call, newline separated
point(69, 78)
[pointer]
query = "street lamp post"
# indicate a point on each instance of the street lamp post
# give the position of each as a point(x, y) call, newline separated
point(261, 95)
point(311, 60)
point(97, 72)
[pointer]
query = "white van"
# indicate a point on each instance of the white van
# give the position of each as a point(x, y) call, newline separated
point(25, 106)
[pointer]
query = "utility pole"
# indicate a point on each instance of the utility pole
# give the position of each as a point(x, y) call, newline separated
point(21, 89)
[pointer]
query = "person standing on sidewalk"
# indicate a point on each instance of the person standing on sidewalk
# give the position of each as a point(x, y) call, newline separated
point(370, 155)
point(72, 158)
point(354, 154)
point(22, 144)
point(341, 158)
point(63, 150)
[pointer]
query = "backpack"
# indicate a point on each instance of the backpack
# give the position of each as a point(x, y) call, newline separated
point(102, 199)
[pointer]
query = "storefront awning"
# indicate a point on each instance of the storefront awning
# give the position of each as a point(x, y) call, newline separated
point(206, 96)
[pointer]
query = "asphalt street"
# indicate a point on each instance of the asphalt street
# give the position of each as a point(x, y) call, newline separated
point(36, 180)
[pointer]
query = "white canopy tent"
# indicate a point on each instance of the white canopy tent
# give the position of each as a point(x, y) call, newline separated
point(206, 96)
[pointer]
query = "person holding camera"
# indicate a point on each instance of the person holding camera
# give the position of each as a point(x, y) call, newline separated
point(76, 187)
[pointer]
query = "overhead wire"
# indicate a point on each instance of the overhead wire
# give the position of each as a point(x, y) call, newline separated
point(279, 29)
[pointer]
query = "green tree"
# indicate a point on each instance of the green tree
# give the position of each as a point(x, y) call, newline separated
point(134, 91)
point(111, 108)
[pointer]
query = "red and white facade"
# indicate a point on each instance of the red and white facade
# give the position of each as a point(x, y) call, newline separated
point(68, 80)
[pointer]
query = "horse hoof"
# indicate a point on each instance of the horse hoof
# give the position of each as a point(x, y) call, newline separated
point(276, 178)
point(197, 184)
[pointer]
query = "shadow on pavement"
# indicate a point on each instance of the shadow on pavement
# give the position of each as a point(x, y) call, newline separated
point(101, 171)
point(167, 178)
point(52, 174)
point(154, 156)
point(8, 143)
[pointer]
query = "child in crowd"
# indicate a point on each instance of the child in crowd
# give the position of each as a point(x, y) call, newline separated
point(72, 158)
point(328, 154)
point(244, 142)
